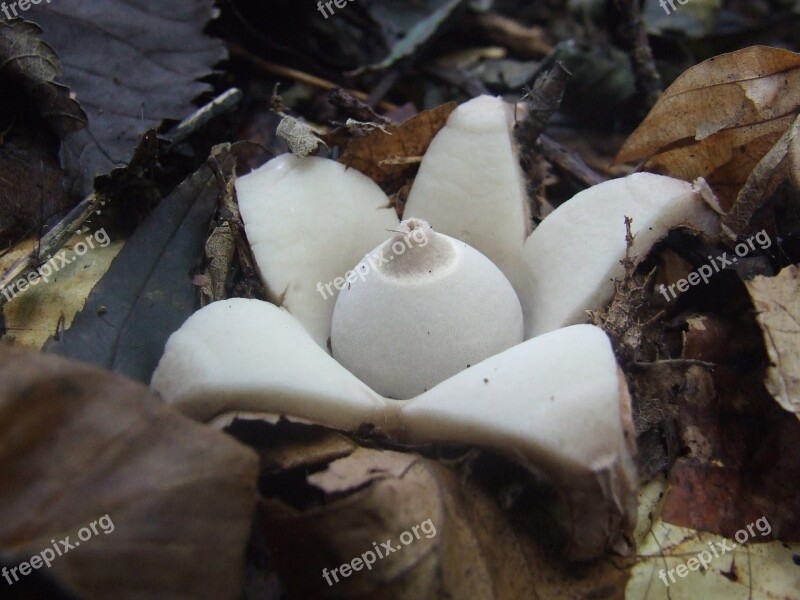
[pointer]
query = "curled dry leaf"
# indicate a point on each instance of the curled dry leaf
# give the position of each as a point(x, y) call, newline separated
point(26, 58)
point(34, 113)
point(776, 300)
point(772, 170)
point(301, 137)
point(719, 118)
point(459, 544)
point(77, 443)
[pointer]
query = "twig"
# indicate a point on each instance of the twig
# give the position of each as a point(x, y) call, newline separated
point(355, 108)
point(543, 99)
point(634, 36)
point(213, 109)
point(570, 162)
point(290, 73)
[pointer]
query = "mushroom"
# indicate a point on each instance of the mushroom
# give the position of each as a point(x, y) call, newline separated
point(556, 403)
point(430, 307)
point(575, 254)
point(470, 186)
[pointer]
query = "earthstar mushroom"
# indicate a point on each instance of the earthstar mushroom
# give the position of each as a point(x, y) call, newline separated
point(555, 403)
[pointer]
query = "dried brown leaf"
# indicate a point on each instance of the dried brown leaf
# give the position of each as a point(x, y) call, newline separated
point(376, 155)
point(720, 118)
point(77, 443)
point(469, 547)
point(772, 170)
point(777, 300)
point(742, 462)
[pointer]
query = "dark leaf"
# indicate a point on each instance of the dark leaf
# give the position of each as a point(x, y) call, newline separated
point(421, 33)
point(132, 64)
point(149, 291)
point(31, 190)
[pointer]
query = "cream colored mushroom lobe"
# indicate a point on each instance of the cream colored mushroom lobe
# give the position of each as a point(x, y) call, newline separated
point(431, 307)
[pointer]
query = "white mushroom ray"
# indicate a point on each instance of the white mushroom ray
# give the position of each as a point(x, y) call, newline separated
point(310, 220)
point(574, 255)
point(243, 355)
point(470, 185)
point(558, 405)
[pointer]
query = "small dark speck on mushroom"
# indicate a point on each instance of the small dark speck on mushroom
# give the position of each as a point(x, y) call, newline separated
point(485, 380)
point(796, 559)
point(468, 366)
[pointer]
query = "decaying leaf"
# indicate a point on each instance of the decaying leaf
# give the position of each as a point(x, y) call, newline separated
point(31, 122)
point(131, 65)
point(32, 181)
point(739, 459)
point(777, 300)
point(759, 568)
point(77, 444)
point(448, 538)
point(42, 311)
point(380, 155)
point(720, 118)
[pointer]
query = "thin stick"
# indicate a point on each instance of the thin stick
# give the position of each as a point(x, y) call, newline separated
point(634, 35)
point(222, 104)
point(570, 161)
point(290, 73)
